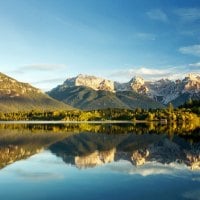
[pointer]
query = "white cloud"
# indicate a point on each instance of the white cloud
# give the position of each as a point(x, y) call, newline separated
point(146, 73)
point(191, 50)
point(195, 65)
point(40, 67)
point(157, 14)
point(188, 14)
point(44, 67)
point(150, 73)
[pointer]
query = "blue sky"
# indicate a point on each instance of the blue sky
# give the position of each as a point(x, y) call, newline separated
point(43, 42)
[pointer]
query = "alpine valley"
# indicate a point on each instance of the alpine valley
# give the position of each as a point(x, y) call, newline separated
point(89, 92)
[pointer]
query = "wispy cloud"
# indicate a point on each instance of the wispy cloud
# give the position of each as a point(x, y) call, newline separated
point(149, 73)
point(191, 50)
point(146, 73)
point(188, 14)
point(146, 36)
point(195, 65)
point(40, 67)
point(157, 14)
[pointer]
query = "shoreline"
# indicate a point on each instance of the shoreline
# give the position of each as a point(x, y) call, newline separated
point(72, 122)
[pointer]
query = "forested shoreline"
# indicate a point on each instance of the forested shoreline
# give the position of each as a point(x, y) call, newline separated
point(188, 112)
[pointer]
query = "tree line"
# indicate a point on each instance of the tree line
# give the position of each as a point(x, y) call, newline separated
point(189, 111)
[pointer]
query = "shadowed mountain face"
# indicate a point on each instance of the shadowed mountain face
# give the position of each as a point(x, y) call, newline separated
point(90, 92)
point(17, 96)
point(88, 145)
point(89, 99)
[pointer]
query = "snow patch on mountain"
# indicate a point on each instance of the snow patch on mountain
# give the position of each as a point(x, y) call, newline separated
point(93, 82)
point(163, 91)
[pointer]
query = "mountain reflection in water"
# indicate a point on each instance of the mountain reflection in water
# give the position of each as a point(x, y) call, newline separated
point(90, 145)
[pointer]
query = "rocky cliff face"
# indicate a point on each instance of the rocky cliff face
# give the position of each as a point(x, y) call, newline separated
point(18, 96)
point(11, 88)
point(191, 83)
point(166, 90)
point(163, 91)
point(93, 82)
point(136, 84)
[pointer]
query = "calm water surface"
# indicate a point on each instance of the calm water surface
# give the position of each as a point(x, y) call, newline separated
point(57, 161)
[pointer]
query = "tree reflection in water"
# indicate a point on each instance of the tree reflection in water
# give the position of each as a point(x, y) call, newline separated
point(88, 145)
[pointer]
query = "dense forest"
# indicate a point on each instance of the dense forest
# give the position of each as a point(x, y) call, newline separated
point(188, 112)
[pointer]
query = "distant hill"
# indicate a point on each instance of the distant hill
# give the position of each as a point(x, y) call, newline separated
point(18, 96)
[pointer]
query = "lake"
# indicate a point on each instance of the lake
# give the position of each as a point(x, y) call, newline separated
point(99, 161)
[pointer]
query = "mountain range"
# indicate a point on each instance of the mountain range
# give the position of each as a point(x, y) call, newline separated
point(90, 92)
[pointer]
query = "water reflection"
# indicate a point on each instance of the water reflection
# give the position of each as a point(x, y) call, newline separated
point(46, 176)
point(88, 150)
point(90, 145)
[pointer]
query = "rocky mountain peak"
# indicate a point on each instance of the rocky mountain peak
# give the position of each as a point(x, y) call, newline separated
point(138, 84)
point(191, 83)
point(137, 80)
point(162, 91)
point(192, 77)
point(93, 82)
